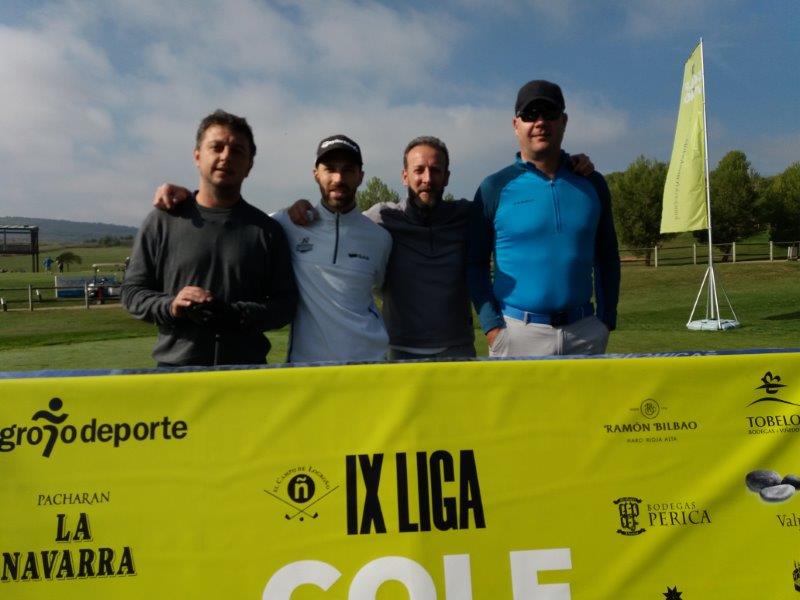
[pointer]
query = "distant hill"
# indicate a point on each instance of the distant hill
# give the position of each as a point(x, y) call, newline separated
point(58, 231)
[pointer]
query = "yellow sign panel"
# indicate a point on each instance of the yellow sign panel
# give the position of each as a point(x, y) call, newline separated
point(587, 479)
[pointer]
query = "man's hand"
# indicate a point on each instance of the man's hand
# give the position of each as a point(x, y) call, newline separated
point(492, 334)
point(216, 316)
point(302, 213)
point(187, 297)
point(581, 164)
point(168, 196)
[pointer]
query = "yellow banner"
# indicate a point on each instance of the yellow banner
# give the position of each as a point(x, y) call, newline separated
point(684, 207)
point(589, 479)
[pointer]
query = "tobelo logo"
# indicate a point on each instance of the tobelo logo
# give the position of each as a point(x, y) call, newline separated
point(14, 436)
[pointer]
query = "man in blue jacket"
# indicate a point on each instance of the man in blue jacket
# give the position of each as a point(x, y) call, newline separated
point(552, 235)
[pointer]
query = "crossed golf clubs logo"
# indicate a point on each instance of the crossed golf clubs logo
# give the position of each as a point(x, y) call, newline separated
point(301, 489)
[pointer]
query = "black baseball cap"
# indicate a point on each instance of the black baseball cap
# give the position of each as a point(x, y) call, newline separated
point(540, 90)
point(340, 143)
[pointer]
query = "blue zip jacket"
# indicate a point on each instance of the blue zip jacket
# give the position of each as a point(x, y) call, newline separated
point(553, 242)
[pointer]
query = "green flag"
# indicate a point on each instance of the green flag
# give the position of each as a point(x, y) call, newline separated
point(684, 207)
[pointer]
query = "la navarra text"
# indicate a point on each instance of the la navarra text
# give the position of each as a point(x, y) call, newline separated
point(68, 562)
point(430, 492)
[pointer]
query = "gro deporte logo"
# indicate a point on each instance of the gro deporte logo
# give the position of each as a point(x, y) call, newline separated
point(54, 430)
point(301, 489)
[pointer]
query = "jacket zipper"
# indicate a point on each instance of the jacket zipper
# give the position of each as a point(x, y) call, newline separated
point(556, 206)
point(336, 242)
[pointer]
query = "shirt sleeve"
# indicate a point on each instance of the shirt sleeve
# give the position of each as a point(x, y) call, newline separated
point(480, 244)
point(606, 259)
point(380, 274)
point(142, 289)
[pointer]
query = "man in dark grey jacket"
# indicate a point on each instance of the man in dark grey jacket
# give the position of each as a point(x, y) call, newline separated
point(424, 303)
point(214, 273)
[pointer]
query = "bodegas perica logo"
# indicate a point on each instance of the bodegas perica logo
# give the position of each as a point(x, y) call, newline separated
point(637, 516)
point(50, 428)
point(299, 491)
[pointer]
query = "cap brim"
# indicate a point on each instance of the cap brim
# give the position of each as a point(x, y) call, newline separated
point(540, 99)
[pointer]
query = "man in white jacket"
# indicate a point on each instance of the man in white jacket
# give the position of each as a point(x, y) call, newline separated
point(338, 260)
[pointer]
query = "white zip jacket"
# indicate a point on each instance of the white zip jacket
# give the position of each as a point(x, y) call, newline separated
point(337, 261)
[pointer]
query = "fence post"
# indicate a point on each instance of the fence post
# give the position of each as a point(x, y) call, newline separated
point(770, 251)
point(86, 294)
point(733, 249)
point(30, 297)
point(655, 253)
point(3, 304)
point(694, 253)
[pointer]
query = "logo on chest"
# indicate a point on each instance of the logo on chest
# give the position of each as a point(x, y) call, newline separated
point(357, 255)
point(304, 245)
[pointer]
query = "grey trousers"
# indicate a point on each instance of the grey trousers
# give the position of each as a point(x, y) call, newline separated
point(587, 336)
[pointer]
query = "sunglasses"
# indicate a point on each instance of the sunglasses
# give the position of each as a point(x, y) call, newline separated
point(531, 115)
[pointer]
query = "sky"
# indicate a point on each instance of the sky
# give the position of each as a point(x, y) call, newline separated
point(101, 99)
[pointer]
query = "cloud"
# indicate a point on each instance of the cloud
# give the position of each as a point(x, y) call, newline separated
point(647, 19)
point(107, 97)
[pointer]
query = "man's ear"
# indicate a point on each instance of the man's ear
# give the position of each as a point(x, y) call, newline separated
point(446, 179)
point(360, 176)
point(196, 155)
point(404, 177)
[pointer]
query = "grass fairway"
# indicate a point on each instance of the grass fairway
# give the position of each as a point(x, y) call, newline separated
point(88, 254)
point(654, 307)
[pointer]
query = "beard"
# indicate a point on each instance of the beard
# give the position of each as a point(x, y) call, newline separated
point(342, 204)
point(434, 198)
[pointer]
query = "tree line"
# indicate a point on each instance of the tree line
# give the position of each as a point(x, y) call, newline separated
point(742, 203)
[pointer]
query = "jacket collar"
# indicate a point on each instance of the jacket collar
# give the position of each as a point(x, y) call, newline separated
point(327, 215)
point(528, 166)
point(419, 213)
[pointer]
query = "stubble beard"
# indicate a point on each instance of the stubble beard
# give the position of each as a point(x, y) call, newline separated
point(343, 204)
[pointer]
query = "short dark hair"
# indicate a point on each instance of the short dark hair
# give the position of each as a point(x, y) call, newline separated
point(232, 122)
point(427, 140)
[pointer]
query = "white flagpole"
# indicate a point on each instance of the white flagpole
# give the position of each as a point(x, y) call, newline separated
point(712, 303)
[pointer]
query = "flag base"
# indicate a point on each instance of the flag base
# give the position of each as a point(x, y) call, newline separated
point(713, 320)
point(713, 324)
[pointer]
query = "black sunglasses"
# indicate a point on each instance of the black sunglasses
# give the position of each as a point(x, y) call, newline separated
point(531, 115)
